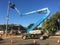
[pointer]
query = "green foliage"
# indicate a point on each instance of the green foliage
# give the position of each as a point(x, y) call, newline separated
point(3, 27)
point(39, 28)
point(52, 24)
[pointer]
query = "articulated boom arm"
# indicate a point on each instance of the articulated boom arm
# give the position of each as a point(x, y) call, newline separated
point(40, 20)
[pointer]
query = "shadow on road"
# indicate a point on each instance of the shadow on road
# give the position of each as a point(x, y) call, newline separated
point(1, 39)
point(32, 44)
point(28, 44)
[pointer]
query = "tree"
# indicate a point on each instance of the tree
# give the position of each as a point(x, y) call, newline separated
point(56, 17)
point(4, 27)
point(1, 27)
point(39, 28)
point(53, 23)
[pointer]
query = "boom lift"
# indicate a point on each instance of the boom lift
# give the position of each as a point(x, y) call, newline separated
point(30, 32)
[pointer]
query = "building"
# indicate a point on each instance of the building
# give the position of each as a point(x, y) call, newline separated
point(18, 27)
point(13, 27)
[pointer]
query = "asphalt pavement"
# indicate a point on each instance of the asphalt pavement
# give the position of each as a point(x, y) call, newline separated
point(19, 41)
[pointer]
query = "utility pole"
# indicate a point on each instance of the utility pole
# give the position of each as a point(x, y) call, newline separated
point(10, 5)
point(7, 19)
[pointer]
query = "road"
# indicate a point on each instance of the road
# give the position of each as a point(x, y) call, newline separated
point(19, 41)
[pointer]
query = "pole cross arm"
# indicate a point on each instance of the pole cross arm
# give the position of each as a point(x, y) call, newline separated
point(11, 5)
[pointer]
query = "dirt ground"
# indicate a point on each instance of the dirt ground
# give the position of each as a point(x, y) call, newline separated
point(19, 36)
point(10, 36)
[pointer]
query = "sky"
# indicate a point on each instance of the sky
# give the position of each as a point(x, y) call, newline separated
point(25, 6)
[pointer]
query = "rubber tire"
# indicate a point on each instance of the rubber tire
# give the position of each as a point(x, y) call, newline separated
point(41, 37)
point(24, 37)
